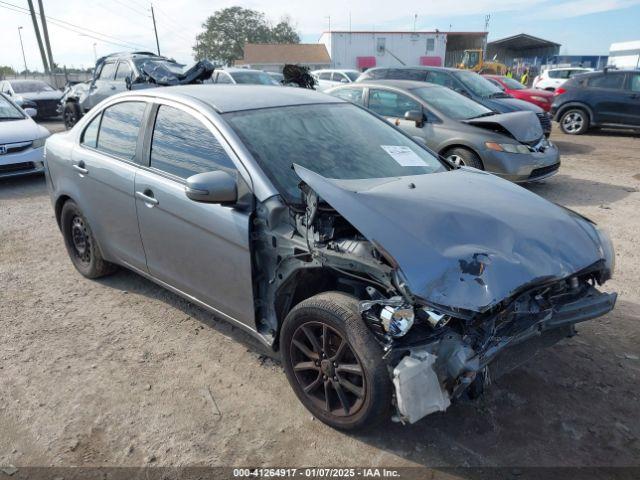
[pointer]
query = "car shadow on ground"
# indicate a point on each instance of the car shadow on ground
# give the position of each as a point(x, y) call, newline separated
point(572, 148)
point(572, 191)
point(26, 186)
point(535, 415)
point(126, 280)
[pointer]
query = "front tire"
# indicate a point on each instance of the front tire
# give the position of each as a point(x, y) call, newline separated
point(71, 114)
point(81, 244)
point(464, 157)
point(574, 121)
point(334, 364)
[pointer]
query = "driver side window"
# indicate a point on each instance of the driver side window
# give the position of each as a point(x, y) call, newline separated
point(124, 71)
point(391, 104)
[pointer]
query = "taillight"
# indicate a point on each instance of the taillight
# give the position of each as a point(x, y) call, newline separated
point(559, 91)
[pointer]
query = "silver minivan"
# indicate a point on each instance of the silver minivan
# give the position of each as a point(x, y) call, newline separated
point(386, 279)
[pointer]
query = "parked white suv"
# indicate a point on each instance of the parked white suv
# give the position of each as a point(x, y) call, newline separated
point(331, 78)
point(554, 77)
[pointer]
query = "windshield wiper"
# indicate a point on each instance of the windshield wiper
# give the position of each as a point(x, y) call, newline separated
point(485, 114)
point(497, 95)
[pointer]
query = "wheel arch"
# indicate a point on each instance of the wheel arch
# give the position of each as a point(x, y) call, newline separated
point(458, 144)
point(306, 283)
point(569, 105)
point(60, 201)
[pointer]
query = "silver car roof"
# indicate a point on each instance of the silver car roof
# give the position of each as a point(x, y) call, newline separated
point(234, 98)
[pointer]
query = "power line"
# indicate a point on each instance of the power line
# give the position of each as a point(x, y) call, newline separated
point(75, 29)
point(53, 19)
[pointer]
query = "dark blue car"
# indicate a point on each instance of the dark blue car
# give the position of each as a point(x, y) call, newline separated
point(610, 98)
point(465, 82)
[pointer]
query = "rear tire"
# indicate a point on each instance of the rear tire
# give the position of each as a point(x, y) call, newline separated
point(81, 244)
point(574, 121)
point(464, 157)
point(334, 364)
point(71, 114)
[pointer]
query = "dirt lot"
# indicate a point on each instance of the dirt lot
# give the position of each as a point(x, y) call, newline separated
point(122, 372)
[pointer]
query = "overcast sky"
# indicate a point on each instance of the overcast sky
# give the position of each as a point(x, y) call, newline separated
point(581, 26)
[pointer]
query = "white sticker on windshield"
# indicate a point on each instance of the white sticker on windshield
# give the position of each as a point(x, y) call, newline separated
point(404, 156)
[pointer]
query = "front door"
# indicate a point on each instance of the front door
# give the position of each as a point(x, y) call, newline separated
point(608, 97)
point(198, 248)
point(101, 86)
point(393, 105)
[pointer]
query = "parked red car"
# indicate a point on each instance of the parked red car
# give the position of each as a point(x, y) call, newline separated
point(541, 98)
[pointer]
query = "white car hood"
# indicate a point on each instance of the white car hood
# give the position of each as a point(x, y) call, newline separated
point(13, 131)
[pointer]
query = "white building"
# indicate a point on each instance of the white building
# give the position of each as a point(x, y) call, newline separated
point(625, 54)
point(367, 49)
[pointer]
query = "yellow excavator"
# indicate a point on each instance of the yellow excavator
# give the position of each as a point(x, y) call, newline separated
point(474, 60)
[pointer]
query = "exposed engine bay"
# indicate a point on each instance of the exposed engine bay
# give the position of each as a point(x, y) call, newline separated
point(434, 352)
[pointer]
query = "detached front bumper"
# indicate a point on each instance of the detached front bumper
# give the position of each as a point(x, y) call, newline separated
point(519, 167)
point(432, 374)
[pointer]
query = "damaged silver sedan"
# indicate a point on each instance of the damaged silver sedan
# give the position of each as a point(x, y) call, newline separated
point(389, 281)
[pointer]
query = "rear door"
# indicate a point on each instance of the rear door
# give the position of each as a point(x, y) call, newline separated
point(198, 248)
point(101, 87)
point(608, 97)
point(105, 164)
point(632, 104)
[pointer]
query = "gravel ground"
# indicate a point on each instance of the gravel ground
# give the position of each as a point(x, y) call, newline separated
point(121, 372)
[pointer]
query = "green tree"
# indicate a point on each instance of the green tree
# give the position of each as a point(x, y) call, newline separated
point(5, 70)
point(226, 32)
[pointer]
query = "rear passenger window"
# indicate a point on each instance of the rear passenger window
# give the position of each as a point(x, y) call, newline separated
point(325, 76)
point(183, 146)
point(613, 81)
point(119, 129)
point(90, 134)
point(353, 95)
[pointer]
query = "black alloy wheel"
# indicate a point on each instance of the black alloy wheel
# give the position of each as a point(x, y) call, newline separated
point(327, 368)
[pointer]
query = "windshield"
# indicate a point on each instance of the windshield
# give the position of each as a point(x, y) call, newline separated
point(470, 59)
point(31, 86)
point(451, 103)
point(479, 86)
point(253, 78)
point(512, 84)
point(339, 141)
point(8, 111)
point(353, 76)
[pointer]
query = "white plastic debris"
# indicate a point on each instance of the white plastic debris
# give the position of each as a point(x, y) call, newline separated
point(418, 391)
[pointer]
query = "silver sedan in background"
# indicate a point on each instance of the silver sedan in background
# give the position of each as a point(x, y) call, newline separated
point(511, 145)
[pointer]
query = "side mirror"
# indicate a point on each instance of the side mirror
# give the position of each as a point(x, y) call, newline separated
point(127, 81)
point(212, 187)
point(32, 112)
point(415, 116)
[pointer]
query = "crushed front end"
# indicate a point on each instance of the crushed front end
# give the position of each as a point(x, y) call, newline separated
point(435, 355)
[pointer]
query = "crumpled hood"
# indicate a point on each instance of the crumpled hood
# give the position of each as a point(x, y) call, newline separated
point(463, 238)
point(161, 75)
point(523, 126)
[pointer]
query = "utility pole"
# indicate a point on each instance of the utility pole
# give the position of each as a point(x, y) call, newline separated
point(486, 29)
point(23, 57)
point(45, 64)
point(95, 55)
point(415, 19)
point(153, 16)
point(45, 32)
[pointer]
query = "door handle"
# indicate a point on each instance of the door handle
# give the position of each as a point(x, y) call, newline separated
point(113, 87)
point(147, 197)
point(79, 167)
